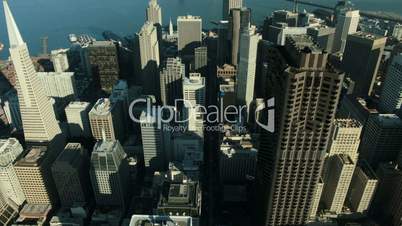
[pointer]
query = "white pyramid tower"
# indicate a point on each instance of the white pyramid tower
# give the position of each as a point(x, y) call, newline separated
point(37, 114)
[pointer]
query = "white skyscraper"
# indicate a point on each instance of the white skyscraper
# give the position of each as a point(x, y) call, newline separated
point(60, 60)
point(171, 31)
point(247, 64)
point(78, 119)
point(38, 118)
point(154, 12)
point(347, 24)
point(189, 30)
point(11, 107)
point(391, 96)
point(194, 89)
point(228, 5)
point(58, 84)
point(10, 187)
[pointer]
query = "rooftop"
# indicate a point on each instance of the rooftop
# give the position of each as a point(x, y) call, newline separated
point(189, 17)
point(303, 43)
point(34, 157)
point(77, 105)
point(347, 123)
point(102, 107)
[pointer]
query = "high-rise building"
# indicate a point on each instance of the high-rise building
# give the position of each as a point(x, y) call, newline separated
point(397, 33)
point(34, 173)
point(171, 81)
point(247, 66)
point(228, 5)
point(347, 24)
point(337, 184)
point(59, 59)
point(362, 188)
point(194, 89)
point(239, 22)
point(316, 199)
point(154, 13)
point(103, 63)
point(109, 174)
point(70, 174)
point(38, 117)
point(189, 31)
point(290, 158)
point(200, 57)
point(58, 84)
point(188, 149)
point(152, 141)
point(323, 35)
point(106, 121)
point(10, 187)
point(11, 106)
point(77, 114)
point(361, 60)
point(381, 140)
point(391, 95)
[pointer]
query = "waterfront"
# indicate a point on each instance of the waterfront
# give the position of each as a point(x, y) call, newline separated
point(58, 18)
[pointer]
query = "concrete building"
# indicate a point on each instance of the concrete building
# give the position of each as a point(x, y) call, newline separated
point(228, 5)
point(103, 63)
point(397, 33)
point(106, 122)
point(59, 59)
point(247, 67)
point(239, 22)
point(278, 32)
point(362, 188)
point(11, 106)
point(361, 60)
point(137, 220)
point(154, 13)
point(59, 85)
point(109, 174)
point(10, 187)
point(293, 165)
point(391, 95)
point(347, 24)
point(316, 199)
point(194, 89)
point(171, 81)
point(189, 31)
point(38, 118)
point(381, 140)
point(337, 184)
point(70, 174)
point(200, 57)
point(77, 114)
point(226, 71)
point(323, 35)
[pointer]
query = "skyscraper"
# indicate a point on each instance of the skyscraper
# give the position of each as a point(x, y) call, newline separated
point(154, 13)
point(77, 114)
point(171, 81)
point(361, 60)
point(228, 5)
point(59, 59)
point(194, 89)
point(247, 66)
point(391, 96)
point(323, 35)
point(200, 57)
point(103, 63)
point(189, 30)
point(347, 24)
point(38, 118)
point(10, 187)
point(70, 174)
point(290, 159)
point(109, 174)
point(239, 22)
point(59, 85)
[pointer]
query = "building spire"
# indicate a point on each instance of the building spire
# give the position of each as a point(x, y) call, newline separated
point(13, 32)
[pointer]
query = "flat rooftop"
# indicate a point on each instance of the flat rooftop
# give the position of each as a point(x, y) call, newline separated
point(303, 43)
point(33, 157)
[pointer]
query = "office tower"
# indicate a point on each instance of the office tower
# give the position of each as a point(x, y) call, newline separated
point(120, 97)
point(361, 60)
point(171, 81)
point(188, 148)
point(323, 35)
point(316, 199)
point(290, 159)
point(59, 59)
point(106, 121)
point(237, 159)
point(58, 84)
point(347, 24)
point(11, 106)
point(189, 31)
point(38, 118)
point(228, 5)
point(397, 33)
point(337, 184)
point(391, 95)
point(149, 53)
point(171, 31)
point(285, 16)
point(103, 63)
point(278, 32)
point(194, 119)
point(362, 188)
point(34, 173)
point(78, 120)
point(194, 89)
point(70, 174)
point(10, 187)
point(200, 57)
point(109, 173)
point(154, 13)
point(247, 66)
point(381, 140)
point(152, 141)
point(8, 213)
point(239, 22)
